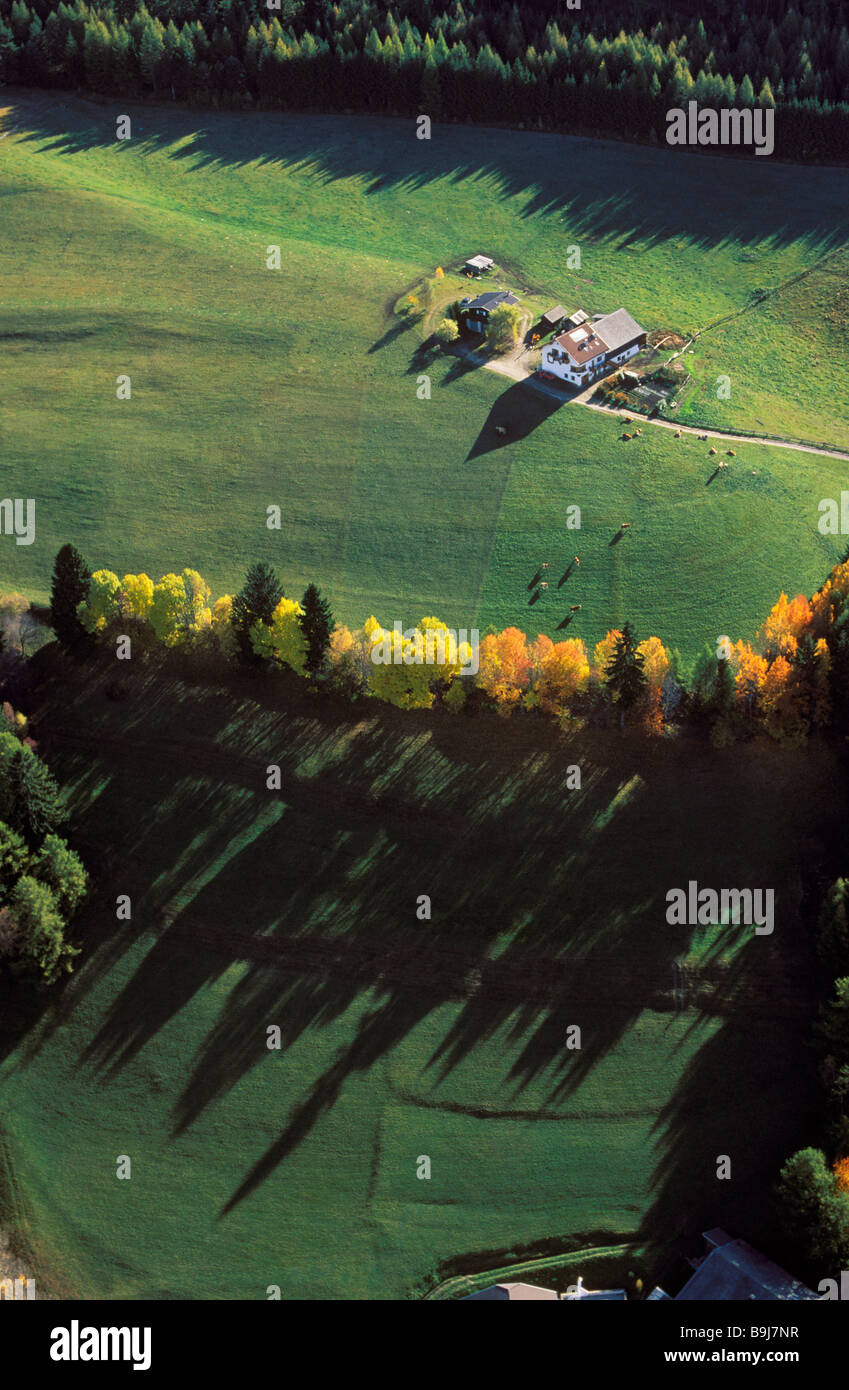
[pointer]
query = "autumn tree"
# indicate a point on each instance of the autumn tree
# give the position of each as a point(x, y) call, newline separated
point(504, 669)
point(136, 596)
point(407, 667)
point(788, 619)
point(749, 669)
point(101, 605)
point(564, 676)
point(282, 640)
point(602, 654)
point(348, 661)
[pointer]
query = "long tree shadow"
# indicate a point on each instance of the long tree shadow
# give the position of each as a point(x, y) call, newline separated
point(696, 196)
point(392, 334)
point(555, 919)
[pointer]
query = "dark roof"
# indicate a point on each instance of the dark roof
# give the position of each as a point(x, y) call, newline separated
point(492, 299)
point(736, 1271)
point(553, 315)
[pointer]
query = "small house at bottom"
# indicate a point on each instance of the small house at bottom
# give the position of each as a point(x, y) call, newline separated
point(475, 312)
point(582, 354)
point(527, 1293)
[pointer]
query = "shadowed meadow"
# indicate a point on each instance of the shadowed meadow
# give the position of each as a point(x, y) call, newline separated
point(398, 1036)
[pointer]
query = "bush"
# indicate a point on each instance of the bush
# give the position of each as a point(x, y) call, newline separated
point(447, 332)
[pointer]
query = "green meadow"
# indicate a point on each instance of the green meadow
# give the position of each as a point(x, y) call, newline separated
point(295, 387)
point(399, 1037)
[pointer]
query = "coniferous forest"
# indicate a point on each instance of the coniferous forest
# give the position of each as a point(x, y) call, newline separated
point(608, 69)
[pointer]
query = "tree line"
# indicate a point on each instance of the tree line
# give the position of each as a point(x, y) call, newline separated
point(42, 880)
point(538, 66)
point(791, 681)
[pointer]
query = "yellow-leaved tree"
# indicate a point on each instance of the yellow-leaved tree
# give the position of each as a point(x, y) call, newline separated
point(102, 603)
point(283, 639)
point(136, 595)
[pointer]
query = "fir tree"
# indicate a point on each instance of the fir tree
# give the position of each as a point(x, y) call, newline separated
point(69, 588)
point(625, 677)
point(255, 603)
point(37, 808)
point(316, 623)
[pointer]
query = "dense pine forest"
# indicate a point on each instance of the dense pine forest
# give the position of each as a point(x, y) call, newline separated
point(608, 69)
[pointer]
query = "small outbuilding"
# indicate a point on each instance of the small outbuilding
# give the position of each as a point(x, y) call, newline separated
point(477, 265)
point(552, 319)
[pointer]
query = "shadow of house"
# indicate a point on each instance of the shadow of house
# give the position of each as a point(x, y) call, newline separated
point(520, 410)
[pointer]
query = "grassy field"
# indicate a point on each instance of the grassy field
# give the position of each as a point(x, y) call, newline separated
point(252, 387)
point(400, 1037)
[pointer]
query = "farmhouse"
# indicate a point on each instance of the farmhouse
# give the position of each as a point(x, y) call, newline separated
point(588, 350)
point(476, 312)
point(476, 265)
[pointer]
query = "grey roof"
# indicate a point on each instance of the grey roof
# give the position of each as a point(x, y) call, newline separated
point(656, 1294)
point(617, 328)
point(555, 314)
point(736, 1271)
point(492, 299)
point(480, 262)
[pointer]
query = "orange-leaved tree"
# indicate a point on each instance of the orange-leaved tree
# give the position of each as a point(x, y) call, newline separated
point(505, 667)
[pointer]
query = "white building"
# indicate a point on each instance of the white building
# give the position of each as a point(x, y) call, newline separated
point(583, 353)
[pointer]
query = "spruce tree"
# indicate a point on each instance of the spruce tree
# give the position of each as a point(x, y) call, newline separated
point(37, 808)
point(255, 603)
point(625, 677)
point(316, 624)
point(69, 588)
